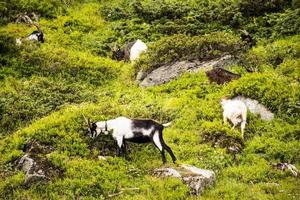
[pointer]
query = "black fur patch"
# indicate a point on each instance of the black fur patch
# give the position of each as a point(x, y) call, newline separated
point(141, 139)
point(145, 124)
point(138, 137)
point(93, 129)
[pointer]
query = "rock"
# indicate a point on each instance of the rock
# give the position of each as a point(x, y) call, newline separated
point(34, 178)
point(36, 166)
point(169, 72)
point(199, 180)
point(167, 172)
point(140, 76)
point(195, 178)
point(256, 108)
point(26, 163)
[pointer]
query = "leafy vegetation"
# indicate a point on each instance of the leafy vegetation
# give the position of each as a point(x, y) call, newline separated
point(45, 88)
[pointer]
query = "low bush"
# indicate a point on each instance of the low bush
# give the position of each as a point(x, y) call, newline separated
point(276, 92)
point(182, 47)
point(272, 54)
point(24, 101)
point(290, 68)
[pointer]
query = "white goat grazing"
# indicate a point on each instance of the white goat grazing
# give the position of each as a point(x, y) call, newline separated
point(134, 130)
point(235, 111)
point(137, 49)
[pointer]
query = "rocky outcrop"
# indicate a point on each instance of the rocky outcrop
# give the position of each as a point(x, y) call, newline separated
point(35, 165)
point(170, 72)
point(256, 108)
point(196, 179)
point(32, 171)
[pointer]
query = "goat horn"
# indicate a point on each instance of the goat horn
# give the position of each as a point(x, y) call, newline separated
point(87, 121)
point(36, 25)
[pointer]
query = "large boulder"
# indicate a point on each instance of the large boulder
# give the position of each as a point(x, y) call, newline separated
point(195, 178)
point(169, 72)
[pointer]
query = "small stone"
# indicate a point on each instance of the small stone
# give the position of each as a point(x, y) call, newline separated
point(195, 178)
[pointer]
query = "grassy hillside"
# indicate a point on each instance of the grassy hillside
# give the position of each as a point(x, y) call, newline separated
point(46, 87)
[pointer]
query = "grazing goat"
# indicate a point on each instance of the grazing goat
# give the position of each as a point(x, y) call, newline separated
point(221, 76)
point(36, 35)
point(235, 111)
point(131, 52)
point(134, 130)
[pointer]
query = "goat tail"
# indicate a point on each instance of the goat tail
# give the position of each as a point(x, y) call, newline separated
point(167, 124)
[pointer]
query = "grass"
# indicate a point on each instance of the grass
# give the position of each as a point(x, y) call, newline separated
point(45, 89)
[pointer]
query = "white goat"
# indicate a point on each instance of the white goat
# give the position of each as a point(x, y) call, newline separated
point(134, 130)
point(235, 111)
point(137, 49)
point(131, 52)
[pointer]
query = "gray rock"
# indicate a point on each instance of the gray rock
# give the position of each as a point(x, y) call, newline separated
point(29, 166)
point(140, 76)
point(195, 178)
point(164, 172)
point(256, 108)
point(26, 164)
point(34, 178)
point(170, 72)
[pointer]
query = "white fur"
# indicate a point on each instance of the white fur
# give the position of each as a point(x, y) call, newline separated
point(236, 112)
point(137, 49)
point(156, 141)
point(32, 37)
point(121, 127)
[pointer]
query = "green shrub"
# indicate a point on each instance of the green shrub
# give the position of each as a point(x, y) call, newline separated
point(260, 7)
point(290, 68)
point(31, 99)
point(11, 8)
point(182, 47)
point(273, 54)
point(276, 92)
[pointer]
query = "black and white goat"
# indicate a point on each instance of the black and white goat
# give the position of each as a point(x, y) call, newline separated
point(135, 130)
point(36, 35)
